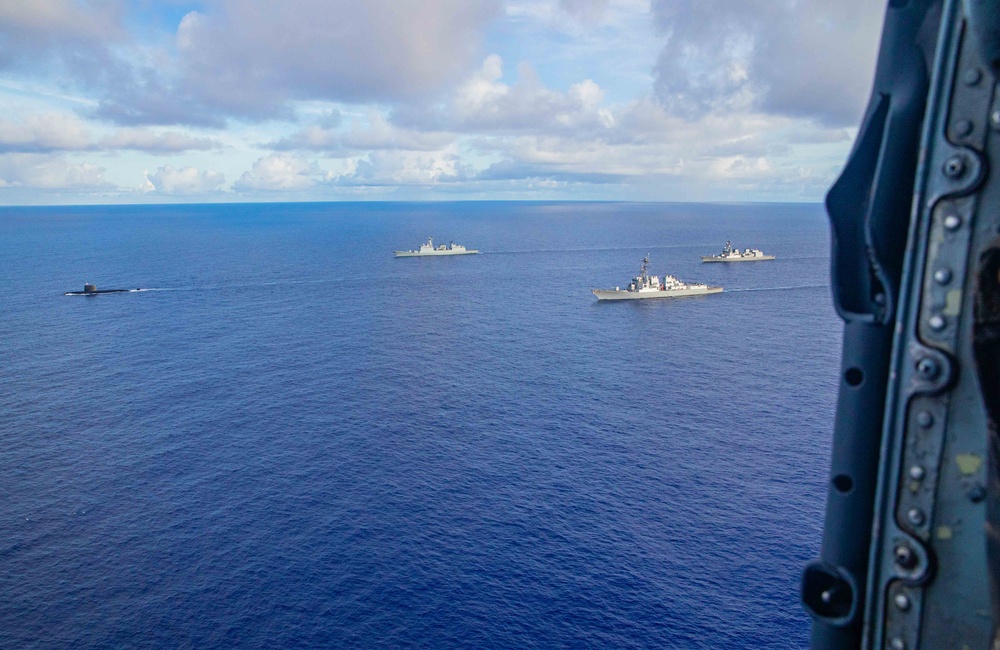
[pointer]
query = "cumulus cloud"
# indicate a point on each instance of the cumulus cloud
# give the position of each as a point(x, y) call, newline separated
point(376, 134)
point(50, 172)
point(483, 103)
point(740, 91)
point(53, 132)
point(813, 58)
point(44, 132)
point(248, 59)
point(510, 170)
point(85, 46)
point(279, 173)
point(139, 139)
point(186, 180)
point(30, 32)
point(643, 142)
point(395, 168)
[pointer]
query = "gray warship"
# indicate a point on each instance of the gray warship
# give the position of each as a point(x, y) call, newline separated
point(649, 286)
point(429, 250)
point(730, 254)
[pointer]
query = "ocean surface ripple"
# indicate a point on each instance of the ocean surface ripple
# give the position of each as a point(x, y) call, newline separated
point(298, 441)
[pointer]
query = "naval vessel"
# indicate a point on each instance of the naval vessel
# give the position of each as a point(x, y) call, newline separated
point(730, 254)
point(429, 250)
point(91, 290)
point(649, 286)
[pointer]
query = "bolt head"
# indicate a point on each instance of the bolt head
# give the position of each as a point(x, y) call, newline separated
point(905, 557)
point(942, 276)
point(972, 76)
point(902, 602)
point(976, 493)
point(928, 368)
point(936, 322)
point(963, 127)
point(917, 473)
point(952, 222)
point(954, 167)
point(925, 419)
point(916, 516)
point(897, 643)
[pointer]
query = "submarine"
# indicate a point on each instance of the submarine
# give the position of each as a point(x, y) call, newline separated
point(92, 290)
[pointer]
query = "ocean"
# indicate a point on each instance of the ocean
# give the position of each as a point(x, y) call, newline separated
point(293, 439)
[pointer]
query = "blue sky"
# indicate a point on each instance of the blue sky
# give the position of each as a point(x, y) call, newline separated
point(121, 101)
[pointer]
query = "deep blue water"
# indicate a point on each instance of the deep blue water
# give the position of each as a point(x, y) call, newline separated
point(298, 441)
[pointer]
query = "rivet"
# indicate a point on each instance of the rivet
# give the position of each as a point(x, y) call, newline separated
point(995, 119)
point(879, 298)
point(905, 557)
point(942, 276)
point(916, 516)
point(897, 643)
point(917, 473)
point(976, 493)
point(972, 76)
point(925, 419)
point(952, 222)
point(936, 322)
point(963, 127)
point(928, 368)
point(902, 602)
point(954, 167)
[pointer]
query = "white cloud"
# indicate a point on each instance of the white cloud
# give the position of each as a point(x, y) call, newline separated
point(251, 59)
point(376, 133)
point(380, 134)
point(186, 180)
point(403, 168)
point(811, 59)
point(53, 132)
point(239, 59)
point(50, 172)
point(43, 133)
point(751, 94)
point(279, 172)
point(140, 139)
point(483, 103)
point(37, 25)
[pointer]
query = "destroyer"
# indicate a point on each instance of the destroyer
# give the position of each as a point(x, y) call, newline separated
point(429, 250)
point(730, 254)
point(649, 286)
point(91, 290)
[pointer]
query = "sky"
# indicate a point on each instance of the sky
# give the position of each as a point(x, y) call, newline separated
point(158, 101)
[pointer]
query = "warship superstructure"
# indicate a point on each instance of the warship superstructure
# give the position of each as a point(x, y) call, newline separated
point(429, 250)
point(730, 254)
point(650, 286)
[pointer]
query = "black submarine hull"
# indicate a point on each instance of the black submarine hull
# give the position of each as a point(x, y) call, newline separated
point(98, 292)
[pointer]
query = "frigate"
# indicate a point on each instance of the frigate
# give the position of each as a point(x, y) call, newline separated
point(649, 286)
point(730, 254)
point(429, 250)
